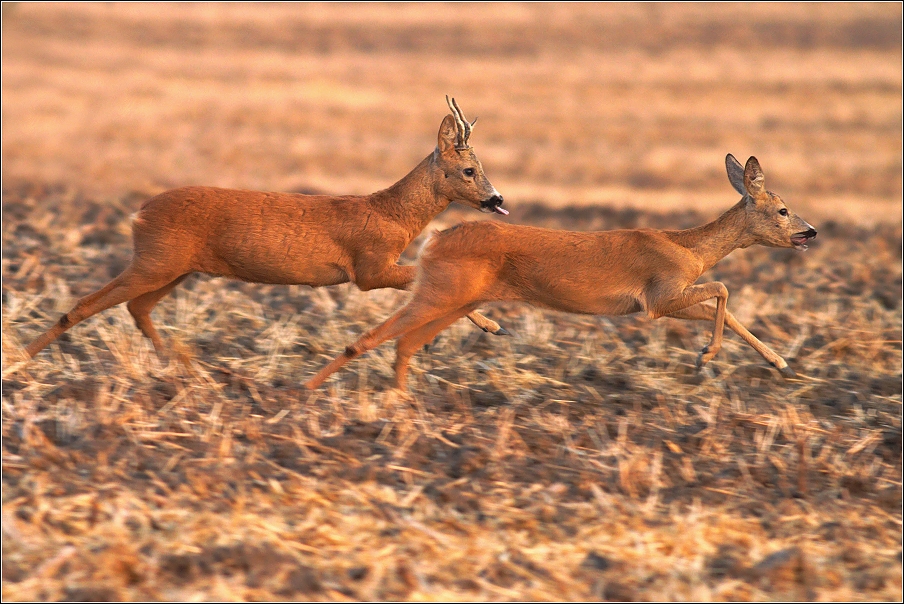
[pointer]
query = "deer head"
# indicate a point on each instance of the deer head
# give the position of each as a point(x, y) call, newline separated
point(460, 176)
point(769, 221)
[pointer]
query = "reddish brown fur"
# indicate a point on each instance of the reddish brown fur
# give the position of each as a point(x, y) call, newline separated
point(602, 273)
point(289, 238)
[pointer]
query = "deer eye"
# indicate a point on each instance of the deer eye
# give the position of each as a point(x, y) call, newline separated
point(469, 171)
point(783, 211)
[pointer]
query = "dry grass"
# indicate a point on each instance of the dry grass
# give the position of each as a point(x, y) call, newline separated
point(583, 458)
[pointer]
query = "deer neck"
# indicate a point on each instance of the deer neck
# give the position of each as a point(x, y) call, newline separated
point(715, 240)
point(412, 202)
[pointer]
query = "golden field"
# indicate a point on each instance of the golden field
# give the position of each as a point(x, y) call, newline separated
point(583, 458)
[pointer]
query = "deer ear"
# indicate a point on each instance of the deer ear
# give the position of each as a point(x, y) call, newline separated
point(448, 134)
point(735, 173)
point(754, 181)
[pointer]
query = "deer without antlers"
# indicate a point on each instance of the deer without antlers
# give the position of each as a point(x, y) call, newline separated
point(285, 238)
point(603, 273)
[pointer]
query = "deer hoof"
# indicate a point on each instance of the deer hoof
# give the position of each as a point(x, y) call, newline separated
point(706, 355)
point(787, 372)
point(502, 331)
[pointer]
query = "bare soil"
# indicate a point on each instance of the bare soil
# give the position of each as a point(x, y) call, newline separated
point(583, 458)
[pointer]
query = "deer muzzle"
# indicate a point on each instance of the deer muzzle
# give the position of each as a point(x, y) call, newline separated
point(493, 204)
point(799, 240)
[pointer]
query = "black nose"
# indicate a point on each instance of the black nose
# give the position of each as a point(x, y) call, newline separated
point(811, 233)
point(492, 202)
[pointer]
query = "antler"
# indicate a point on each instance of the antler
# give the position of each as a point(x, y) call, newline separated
point(464, 128)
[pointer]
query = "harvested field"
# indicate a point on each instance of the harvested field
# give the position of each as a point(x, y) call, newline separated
point(584, 458)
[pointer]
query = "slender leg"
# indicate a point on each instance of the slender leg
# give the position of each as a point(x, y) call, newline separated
point(375, 275)
point(140, 308)
point(411, 316)
point(126, 286)
point(411, 341)
point(658, 307)
point(705, 312)
point(487, 324)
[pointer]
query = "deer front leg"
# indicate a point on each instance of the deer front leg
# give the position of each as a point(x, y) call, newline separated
point(705, 312)
point(368, 276)
point(660, 306)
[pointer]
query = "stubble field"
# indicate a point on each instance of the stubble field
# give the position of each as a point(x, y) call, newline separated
point(582, 458)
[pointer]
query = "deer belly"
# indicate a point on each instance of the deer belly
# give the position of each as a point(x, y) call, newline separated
point(314, 275)
point(258, 266)
point(616, 305)
point(581, 301)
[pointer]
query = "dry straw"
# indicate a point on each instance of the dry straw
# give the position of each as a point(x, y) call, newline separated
point(583, 458)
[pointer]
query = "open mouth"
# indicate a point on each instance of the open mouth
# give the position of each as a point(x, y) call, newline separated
point(799, 240)
point(493, 205)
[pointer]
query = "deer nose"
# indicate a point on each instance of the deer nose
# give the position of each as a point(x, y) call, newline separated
point(493, 204)
point(810, 233)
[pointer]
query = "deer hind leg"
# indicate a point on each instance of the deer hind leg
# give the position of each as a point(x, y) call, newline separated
point(413, 339)
point(140, 309)
point(410, 317)
point(126, 286)
point(705, 312)
point(658, 307)
point(401, 277)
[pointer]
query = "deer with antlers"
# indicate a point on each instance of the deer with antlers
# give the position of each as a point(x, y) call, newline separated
point(602, 273)
point(285, 238)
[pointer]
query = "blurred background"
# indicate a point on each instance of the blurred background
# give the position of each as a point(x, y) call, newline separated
point(622, 105)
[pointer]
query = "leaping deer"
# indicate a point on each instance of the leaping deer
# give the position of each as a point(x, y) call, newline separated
point(286, 238)
point(603, 273)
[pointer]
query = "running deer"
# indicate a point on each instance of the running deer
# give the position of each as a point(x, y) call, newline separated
point(286, 238)
point(603, 273)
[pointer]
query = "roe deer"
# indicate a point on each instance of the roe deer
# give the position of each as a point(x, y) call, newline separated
point(603, 273)
point(287, 238)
